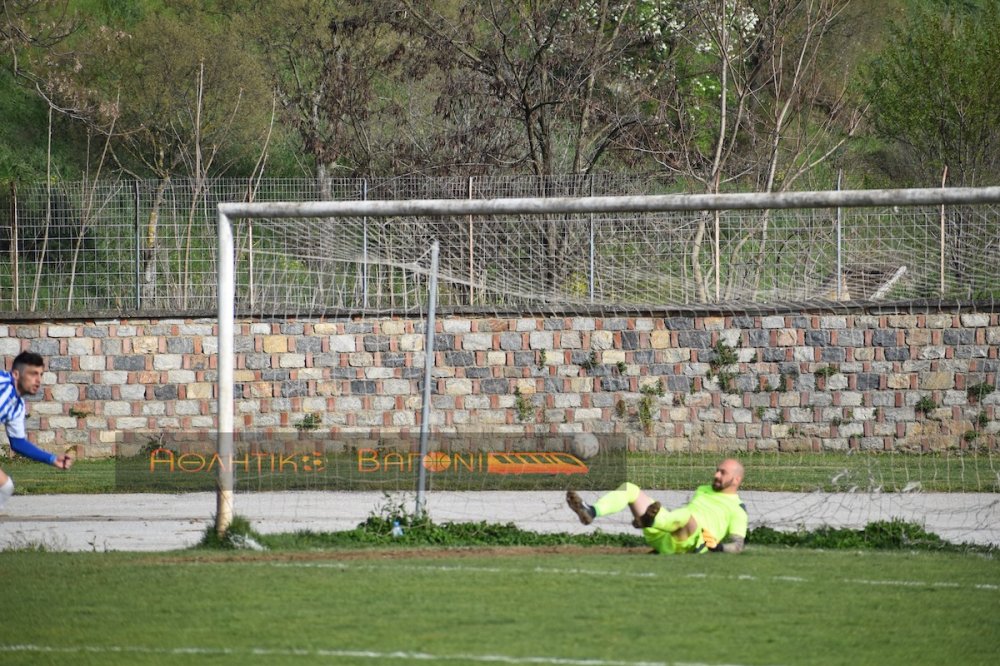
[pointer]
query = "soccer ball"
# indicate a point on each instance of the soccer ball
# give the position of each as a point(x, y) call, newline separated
point(584, 445)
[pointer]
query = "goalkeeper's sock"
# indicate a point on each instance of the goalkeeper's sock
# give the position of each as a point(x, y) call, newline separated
point(6, 491)
point(617, 500)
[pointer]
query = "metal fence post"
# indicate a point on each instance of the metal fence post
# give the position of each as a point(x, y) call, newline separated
point(717, 249)
point(364, 247)
point(138, 250)
point(14, 266)
point(472, 272)
point(840, 248)
point(944, 180)
point(591, 278)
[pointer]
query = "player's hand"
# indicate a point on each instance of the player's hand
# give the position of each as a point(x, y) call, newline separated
point(65, 461)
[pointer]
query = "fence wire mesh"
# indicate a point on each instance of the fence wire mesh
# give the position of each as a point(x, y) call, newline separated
point(150, 246)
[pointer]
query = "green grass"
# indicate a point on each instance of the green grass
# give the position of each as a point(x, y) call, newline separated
point(766, 606)
point(797, 472)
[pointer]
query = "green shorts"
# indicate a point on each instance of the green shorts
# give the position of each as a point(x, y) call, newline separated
point(664, 542)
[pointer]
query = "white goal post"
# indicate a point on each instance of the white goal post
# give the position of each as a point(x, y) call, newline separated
point(228, 212)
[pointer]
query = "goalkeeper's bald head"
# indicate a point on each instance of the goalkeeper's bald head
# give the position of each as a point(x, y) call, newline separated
point(728, 476)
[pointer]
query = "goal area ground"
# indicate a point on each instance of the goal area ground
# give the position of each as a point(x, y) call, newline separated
point(152, 522)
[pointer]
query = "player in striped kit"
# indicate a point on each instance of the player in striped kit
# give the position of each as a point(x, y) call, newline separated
point(24, 378)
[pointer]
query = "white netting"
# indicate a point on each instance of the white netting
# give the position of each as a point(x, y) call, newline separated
point(555, 324)
point(622, 260)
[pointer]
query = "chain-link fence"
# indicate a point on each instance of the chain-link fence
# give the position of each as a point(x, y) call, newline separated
point(135, 247)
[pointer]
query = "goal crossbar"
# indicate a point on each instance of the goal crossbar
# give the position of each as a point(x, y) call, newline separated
point(645, 203)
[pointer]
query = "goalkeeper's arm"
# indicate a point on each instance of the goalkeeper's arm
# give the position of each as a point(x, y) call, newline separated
point(734, 544)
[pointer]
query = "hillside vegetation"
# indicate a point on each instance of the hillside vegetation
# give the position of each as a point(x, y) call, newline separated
point(712, 95)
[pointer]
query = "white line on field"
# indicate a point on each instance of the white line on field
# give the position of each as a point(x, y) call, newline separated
point(458, 567)
point(602, 572)
point(401, 655)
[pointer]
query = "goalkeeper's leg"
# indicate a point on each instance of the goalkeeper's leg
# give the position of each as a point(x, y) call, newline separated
point(628, 495)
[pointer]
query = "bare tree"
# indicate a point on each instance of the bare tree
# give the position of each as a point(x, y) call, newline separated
point(560, 80)
point(326, 66)
point(549, 88)
point(169, 102)
point(29, 32)
point(752, 111)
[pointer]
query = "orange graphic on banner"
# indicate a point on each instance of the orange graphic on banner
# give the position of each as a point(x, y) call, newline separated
point(517, 462)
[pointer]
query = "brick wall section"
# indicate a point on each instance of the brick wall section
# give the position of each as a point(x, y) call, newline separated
point(808, 381)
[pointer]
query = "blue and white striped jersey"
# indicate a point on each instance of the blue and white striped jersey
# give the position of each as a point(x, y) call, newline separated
point(11, 406)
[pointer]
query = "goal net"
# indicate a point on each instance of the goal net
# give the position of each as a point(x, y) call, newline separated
point(842, 344)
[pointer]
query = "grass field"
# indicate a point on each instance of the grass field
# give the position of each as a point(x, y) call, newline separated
point(361, 597)
point(595, 607)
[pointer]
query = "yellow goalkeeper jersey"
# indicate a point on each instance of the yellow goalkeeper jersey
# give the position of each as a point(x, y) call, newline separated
point(719, 515)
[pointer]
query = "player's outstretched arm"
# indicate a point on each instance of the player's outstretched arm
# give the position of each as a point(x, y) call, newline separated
point(28, 450)
point(734, 544)
point(25, 448)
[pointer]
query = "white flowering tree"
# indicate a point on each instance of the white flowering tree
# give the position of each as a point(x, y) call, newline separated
point(718, 93)
point(749, 111)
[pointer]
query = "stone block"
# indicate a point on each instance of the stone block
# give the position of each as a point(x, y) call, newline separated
point(199, 391)
point(977, 320)
point(344, 343)
point(392, 327)
point(601, 340)
point(360, 359)
point(936, 381)
point(292, 361)
point(540, 340)
point(275, 344)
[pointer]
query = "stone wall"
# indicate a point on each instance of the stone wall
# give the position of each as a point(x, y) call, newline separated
point(803, 381)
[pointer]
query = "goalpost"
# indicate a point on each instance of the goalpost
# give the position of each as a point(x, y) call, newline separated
point(797, 283)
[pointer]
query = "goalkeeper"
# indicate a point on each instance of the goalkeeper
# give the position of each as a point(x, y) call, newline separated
point(714, 520)
point(24, 378)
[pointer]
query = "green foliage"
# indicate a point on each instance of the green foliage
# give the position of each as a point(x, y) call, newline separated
point(784, 380)
point(238, 536)
point(925, 405)
point(621, 409)
point(935, 91)
point(647, 403)
point(826, 371)
point(524, 406)
point(881, 535)
point(653, 389)
point(310, 421)
point(376, 530)
point(724, 357)
point(977, 392)
point(24, 136)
